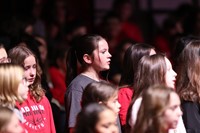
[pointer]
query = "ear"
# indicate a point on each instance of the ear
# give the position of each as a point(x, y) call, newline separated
point(87, 58)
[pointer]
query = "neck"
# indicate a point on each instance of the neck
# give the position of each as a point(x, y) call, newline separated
point(91, 73)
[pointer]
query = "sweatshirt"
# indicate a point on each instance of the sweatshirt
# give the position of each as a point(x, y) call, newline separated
point(37, 115)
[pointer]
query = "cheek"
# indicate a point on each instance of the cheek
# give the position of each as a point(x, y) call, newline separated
point(168, 117)
point(26, 74)
point(99, 128)
point(19, 89)
point(112, 106)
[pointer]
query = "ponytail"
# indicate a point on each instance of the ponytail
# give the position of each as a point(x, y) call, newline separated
point(71, 63)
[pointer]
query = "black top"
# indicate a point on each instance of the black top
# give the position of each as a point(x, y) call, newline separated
point(191, 116)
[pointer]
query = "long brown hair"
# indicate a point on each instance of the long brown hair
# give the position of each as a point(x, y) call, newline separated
point(188, 71)
point(151, 70)
point(150, 115)
point(18, 54)
point(131, 59)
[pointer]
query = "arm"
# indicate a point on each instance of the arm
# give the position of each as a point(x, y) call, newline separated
point(124, 98)
point(72, 106)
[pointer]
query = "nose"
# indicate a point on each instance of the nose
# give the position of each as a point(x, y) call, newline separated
point(174, 73)
point(32, 71)
point(118, 105)
point(109, 55)
point(179, 113)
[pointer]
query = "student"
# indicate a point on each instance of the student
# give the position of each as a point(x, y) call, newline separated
point(9, 122)
point(96, 118)
point(159, 111)
point(131, 58)
point(3, 55)
point(94, 57)
point(188, 85)
point(13, 87)
point(103, 93)
point(154, 69)
point(57, 73)
point(36, 109)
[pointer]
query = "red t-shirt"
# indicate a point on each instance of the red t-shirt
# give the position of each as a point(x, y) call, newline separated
point(124, 97)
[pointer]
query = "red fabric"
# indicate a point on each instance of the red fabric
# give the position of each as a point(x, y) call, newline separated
point(132, 31)
point(71, 130)
point(162, 44)
point(59, 86)
point(38, 115)
point(124, 97)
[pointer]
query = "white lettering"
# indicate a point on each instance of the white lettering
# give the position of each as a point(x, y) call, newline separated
point(41, 107)
point(27, 109)
point(22, 109)
point(34, 107)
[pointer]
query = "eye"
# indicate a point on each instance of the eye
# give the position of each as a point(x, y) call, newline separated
point(107, 125)
point(174, 107)
point(26, 67)
point(103, 52)
point(34, 66)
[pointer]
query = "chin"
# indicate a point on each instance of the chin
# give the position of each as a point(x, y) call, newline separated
point(105, 68)
point(30, 83)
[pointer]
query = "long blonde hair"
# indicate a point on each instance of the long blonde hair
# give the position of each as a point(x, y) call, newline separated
point(5, 117)
point(10, 77)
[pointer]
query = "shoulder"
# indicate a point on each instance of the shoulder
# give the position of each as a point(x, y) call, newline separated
point(79, 83)
point(125, 90)
point(137, 103)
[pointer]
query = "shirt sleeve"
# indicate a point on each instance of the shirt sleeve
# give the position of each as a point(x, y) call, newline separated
point(124, 98)
point(73, 106)
point(51, 120)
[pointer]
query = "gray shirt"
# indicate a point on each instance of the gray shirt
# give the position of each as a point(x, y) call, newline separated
point(73, 98)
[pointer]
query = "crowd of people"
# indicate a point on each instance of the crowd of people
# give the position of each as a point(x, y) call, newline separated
point(60, 77)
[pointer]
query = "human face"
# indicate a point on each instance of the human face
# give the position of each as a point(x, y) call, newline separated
point(30, 69)
point(14, 125)
point(102, 57)
point(173, 112)
point(114, 104)
point(107, 122)
point(23, 88)
point(170, 76)
point(3, 56)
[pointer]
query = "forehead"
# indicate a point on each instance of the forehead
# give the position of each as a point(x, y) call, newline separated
point(103, 44)
point(168, 63)
point(30, 60)
point(3, 53)
point(107, 115)
point(174, 99)
point(114, 96)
